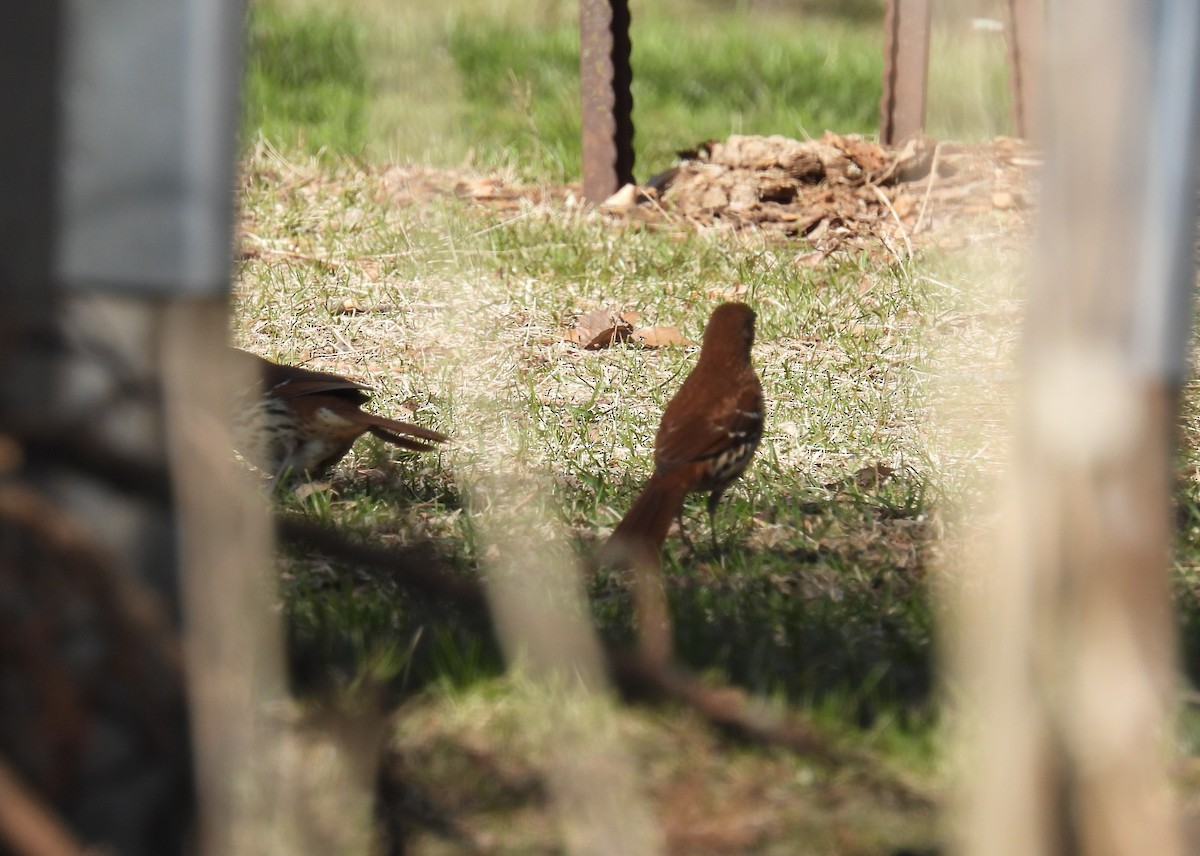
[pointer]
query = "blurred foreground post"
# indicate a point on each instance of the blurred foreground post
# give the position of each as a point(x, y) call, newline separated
point(1069, 657)
point(541, 615)
point(232, 641)
point(94, 744)
point(117, 163)
point(1025, 46)
point(539, 606)
point(146, 215)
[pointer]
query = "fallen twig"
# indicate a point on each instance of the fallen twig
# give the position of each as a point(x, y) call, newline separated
point(933, 167)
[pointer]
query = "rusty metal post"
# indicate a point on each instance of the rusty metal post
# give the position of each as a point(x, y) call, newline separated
point(905, 69)
point(607, 103)
point(1026, 23)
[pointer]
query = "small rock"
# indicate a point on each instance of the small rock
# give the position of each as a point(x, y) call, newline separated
point(1003, 200)
point(623, 199)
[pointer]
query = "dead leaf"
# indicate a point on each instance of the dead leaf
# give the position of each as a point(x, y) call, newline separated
point(611, 336)
point(870, 477)
point(905, 207)
point(354, 306)
point(733, 292)
point(713, 198)
point(600, 329)
point(660, 337)
point(870, 157)
point(767, 536)
point(827, 190)
point(309, 488)
point(483, 188)
point(371, 269)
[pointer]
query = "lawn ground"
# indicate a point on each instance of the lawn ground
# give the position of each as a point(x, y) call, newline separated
point(887, 377)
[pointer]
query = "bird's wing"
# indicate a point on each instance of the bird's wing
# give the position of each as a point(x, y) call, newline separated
point(282, 381)
point(293, 388)
point(691, 433)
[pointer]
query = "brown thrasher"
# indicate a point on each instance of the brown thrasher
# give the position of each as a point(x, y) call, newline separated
point(707, 437)
point(304, 421)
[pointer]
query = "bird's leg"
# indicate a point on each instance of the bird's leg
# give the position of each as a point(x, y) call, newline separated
point(281, 475)
point(713, 499)
point(284, 469)
point(683, 536)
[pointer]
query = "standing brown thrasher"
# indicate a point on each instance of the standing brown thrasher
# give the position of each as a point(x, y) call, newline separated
point(707, 437)
point(304, 421)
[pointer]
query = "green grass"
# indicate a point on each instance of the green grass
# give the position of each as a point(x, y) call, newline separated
point(478, 751)
point(305, 80)
point(968, 89)
point(724, 73)
point(498, 84)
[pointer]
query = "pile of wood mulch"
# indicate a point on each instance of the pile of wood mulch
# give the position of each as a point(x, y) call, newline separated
point(842, 192)
point(837, 192)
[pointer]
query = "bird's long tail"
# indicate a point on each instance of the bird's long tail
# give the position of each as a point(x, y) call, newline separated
point(636, 543)
point(641, 533)
point(403, 434)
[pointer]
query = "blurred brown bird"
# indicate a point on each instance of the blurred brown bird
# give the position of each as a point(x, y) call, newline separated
point(707, 437)
point(304, 421)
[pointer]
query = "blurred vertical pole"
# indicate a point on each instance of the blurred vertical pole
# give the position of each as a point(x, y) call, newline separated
point(150, 118)
point(1068, 658)
point(117, 163)
point(905, 69)
point(232, 643)
point(606, 101)
point(28, 147)
point(92, 731)
point(1026, 22)
point(147, 206)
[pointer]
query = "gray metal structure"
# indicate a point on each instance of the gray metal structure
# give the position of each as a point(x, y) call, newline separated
point(1166, 269)
point(148, 145)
